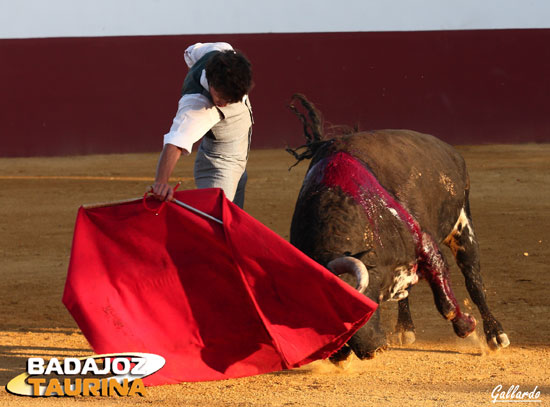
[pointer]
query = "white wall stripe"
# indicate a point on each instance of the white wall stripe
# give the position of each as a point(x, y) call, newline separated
point(85, 18)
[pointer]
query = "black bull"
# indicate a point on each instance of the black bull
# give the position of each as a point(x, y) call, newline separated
point(389, 198)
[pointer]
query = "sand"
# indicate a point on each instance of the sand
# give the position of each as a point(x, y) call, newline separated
point(510, 197)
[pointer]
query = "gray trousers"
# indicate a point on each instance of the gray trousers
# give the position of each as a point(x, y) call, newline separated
point(214, 172)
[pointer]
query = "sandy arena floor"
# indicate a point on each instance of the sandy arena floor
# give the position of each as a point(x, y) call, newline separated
point(510, 200)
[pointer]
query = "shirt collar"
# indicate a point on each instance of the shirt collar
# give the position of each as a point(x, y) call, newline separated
point(204, 81)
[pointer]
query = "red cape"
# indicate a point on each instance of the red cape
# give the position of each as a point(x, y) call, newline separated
point(216, 301)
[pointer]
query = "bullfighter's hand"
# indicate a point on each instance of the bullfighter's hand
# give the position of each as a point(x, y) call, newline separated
point(162, 191)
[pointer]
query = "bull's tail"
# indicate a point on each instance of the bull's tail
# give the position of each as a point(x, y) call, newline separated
point(312, 122)
point(313, 128)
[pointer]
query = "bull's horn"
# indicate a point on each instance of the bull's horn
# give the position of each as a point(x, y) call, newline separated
point(351, 265)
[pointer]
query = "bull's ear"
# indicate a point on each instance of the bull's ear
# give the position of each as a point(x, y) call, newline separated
point(353, 266)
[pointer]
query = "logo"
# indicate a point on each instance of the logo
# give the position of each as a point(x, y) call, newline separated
point(515, 395)
point(117, 374)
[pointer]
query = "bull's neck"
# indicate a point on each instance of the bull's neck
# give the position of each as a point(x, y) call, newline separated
point(349, 174)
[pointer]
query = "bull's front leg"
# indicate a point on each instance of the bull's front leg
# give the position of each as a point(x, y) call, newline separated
point(405, 326)
point(434, 269)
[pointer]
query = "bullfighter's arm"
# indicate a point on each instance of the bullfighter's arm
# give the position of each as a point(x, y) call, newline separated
point(167, 162)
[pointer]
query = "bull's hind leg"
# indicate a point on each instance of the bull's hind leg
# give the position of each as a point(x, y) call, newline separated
point(463, 243)
point(434, 269)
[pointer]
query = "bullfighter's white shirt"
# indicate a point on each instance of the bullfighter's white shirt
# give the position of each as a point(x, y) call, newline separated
point(196, 114)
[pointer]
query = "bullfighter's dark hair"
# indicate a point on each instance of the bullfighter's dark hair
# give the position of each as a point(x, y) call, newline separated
point(230, 73)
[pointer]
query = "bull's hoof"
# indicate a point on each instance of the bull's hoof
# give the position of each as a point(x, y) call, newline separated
point(496, 338)
point(497, 342)
point(341, 355)
point(407, 337)
point(464, 325)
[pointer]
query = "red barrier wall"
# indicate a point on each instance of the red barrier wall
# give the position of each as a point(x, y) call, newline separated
point(119, 94)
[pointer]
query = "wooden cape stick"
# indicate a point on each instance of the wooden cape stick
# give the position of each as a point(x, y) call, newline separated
point(184, 205)
point(175, 201)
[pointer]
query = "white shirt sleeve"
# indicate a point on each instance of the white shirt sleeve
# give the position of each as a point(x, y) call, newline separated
point(196, 115)
point(195, 52)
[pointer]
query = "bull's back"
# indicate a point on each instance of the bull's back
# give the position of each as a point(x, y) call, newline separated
point(426, 175)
